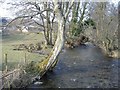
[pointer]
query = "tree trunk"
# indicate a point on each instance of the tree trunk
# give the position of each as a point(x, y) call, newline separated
point(47, 29)
point(58, 44)
point(51, 61)
point(50, 37)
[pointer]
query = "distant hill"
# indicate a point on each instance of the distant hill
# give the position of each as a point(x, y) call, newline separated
point(4, 20)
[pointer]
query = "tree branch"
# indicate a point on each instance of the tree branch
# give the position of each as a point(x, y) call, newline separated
point(67, 11)
point(20, 18)
point(26, 17)
point(39, 24)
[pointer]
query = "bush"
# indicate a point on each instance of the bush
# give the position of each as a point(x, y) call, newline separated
point(38, 46)
point(31, 47)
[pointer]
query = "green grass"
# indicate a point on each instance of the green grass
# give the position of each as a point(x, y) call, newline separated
point(14, 56)
point(22, 38)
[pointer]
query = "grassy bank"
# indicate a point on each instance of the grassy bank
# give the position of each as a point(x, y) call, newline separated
point(14, 56)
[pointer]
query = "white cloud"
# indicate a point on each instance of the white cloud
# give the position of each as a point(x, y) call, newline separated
point(3, 9)
point(9, 13)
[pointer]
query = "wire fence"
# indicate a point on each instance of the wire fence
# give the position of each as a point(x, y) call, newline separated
point(13, 66)
point(7, 76)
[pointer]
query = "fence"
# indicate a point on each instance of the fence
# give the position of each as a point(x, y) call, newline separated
point(7, 64)
point(7, 76)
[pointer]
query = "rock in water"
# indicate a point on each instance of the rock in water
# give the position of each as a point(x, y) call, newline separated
point(37, 78)
point(73, 80)
point(89, 44)
point(38, 82)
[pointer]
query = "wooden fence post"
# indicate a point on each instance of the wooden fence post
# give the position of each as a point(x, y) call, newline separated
point(18, 73)
point(6, 62)
point(25, 59)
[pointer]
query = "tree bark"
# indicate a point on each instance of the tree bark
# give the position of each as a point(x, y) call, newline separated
point(59, 42)
point(52, 59)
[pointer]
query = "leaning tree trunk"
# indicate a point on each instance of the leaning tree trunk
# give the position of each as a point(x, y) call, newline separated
point(58, 44)
point(52, 59)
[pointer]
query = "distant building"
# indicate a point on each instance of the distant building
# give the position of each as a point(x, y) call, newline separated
point(3, 21)
point(24, 30)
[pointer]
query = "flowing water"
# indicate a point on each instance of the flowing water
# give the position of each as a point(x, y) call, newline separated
point(82, 67)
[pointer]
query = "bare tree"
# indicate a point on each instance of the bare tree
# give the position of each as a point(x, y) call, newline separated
point(40, 12)
point(105, 35)
point(61, 17)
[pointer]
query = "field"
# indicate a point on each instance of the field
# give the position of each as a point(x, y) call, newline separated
point(15, 57)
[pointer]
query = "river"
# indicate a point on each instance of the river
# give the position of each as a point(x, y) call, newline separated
point(82, 67)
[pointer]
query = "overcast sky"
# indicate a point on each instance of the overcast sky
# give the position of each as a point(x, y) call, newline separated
point(9, 13)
